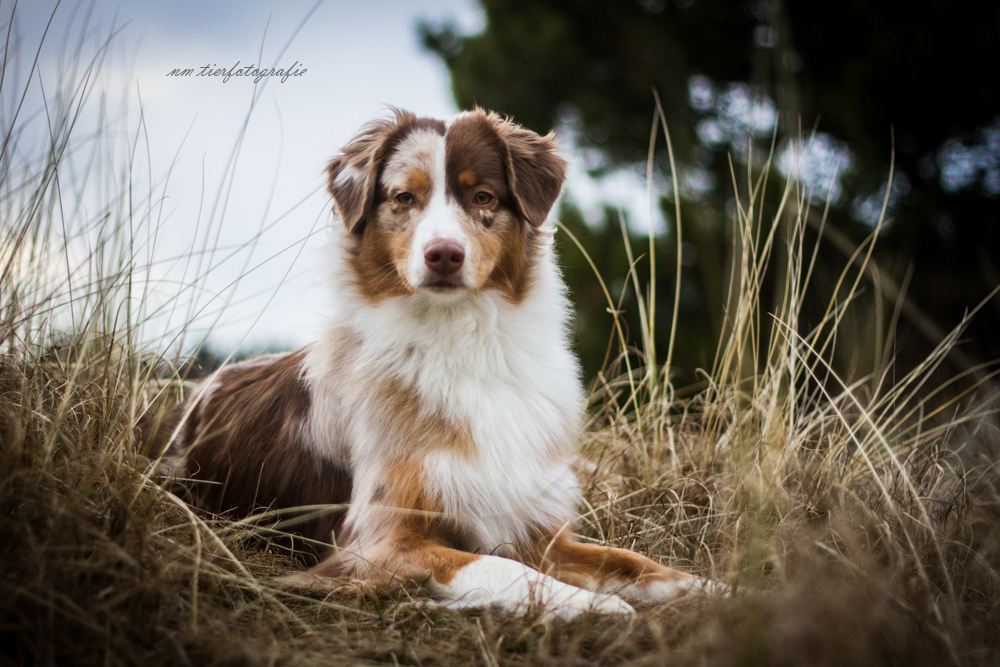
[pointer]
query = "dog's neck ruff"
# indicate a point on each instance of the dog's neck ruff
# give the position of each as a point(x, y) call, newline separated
point(450, 348)
point(501, 370)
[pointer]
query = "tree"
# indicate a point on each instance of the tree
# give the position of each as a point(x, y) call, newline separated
point(919, 77)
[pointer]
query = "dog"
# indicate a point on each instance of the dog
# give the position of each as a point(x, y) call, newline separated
point(437, 417)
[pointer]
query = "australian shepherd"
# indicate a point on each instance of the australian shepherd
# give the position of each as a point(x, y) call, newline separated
point(437, 417)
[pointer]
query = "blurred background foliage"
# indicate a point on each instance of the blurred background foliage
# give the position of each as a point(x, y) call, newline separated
point(911, 81)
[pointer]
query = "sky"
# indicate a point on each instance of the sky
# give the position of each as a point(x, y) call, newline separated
point(230, 172)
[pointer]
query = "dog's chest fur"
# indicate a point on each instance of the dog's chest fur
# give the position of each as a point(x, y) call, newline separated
point(499, 374)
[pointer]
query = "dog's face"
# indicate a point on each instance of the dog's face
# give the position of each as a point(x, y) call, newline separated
point(444, 208)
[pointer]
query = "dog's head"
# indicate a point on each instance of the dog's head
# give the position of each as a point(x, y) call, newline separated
point(444, 208)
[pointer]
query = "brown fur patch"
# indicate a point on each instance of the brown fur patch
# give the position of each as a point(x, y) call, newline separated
point(378, 260)
point(512, 254)
point(442, 562)
point(475, 161)
point(418, 182)
point(420, 430)
point(243, 436)
point(407, 557)
point(421, 542)
point(467, 178)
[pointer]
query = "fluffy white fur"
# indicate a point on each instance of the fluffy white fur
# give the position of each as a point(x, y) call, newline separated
point(504, 370)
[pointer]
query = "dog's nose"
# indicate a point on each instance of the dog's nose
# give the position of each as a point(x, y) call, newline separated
point(444, 257)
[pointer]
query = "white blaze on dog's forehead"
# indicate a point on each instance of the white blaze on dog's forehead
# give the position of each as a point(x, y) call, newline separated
point(417, 152)
point(439, 221)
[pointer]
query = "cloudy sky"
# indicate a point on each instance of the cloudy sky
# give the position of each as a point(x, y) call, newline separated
point(232, 170)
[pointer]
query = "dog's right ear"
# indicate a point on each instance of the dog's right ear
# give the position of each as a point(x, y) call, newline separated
point(353, 174)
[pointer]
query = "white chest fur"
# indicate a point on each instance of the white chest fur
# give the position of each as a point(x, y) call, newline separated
point(502, 370)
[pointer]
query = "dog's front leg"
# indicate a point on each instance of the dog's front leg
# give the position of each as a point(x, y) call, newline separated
point(460, 579)
point(611, 570)
point(484, 580)
point(396, 531)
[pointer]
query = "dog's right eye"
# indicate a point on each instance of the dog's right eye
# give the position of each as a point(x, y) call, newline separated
point(405, 198)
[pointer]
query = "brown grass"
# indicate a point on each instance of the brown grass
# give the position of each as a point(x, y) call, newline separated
point(103, 566)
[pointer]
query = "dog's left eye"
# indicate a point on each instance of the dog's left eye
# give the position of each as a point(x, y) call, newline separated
point(405, 198)
point(483, 198)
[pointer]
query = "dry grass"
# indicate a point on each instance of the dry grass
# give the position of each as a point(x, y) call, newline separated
point(858, 520)
point(834, 563)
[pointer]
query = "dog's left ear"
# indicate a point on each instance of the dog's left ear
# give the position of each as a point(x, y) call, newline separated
point(352, 175)
point(535, 171)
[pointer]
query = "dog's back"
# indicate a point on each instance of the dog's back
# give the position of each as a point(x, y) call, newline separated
point(237, 445)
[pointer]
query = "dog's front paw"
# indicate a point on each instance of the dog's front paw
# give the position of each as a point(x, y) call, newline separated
point(712, 587)
point(665, 590)
point(517, 587)
point(566, 602)
point(610, 604)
